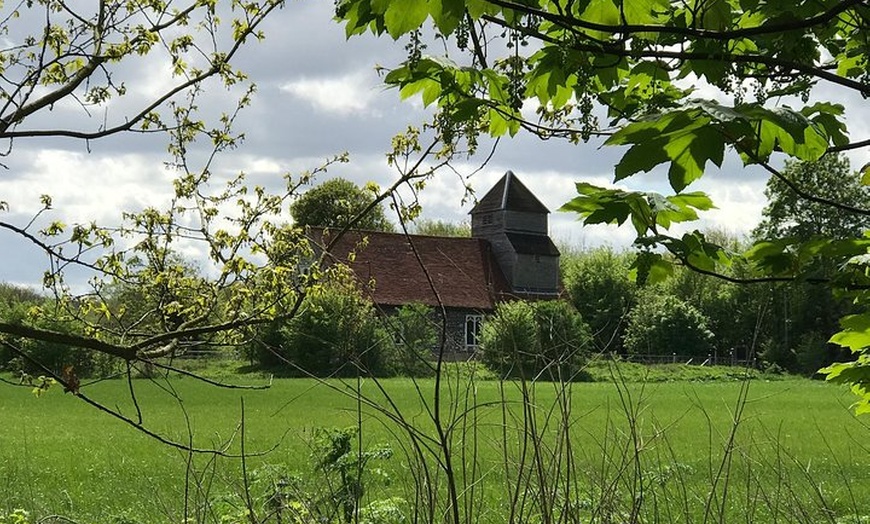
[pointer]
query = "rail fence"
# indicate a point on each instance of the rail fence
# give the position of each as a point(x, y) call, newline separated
point(711, 359)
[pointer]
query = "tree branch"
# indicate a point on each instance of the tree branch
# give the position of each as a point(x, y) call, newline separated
point(45, 335)
point(805, 195)
point(138, 426)
point(623, 52)
point(571, 22)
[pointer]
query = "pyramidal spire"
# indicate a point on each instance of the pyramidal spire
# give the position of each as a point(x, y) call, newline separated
point(508, 177)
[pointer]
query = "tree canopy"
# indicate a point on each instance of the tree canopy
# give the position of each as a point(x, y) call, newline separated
point(626, 73)
point(441, 228)
point(631, 73)
point(91, 56)
point(339, 203)
point(830, 178)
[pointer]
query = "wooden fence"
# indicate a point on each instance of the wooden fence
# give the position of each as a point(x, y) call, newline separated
point(711, 359)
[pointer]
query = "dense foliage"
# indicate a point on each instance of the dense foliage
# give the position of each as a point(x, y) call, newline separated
point(553, 67)
point(601, 289)
point(780, 326)
point(664, 324)
point(545, 340)
point(441, 228)
point(788, 215)
point(336, 333)
point(339, 203)
point(415, 336)
point(805, 313)
point(20, 306)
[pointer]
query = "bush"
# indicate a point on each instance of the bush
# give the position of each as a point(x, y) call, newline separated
point(600, 289)
point(335, 333)
point(415, 336)
point(264, 349)
point(664, 324)
point(535, 340)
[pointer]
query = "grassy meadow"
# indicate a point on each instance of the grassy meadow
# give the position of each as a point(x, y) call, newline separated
point(796, 440)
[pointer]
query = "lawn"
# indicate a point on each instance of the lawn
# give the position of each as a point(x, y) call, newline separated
point(796, 442)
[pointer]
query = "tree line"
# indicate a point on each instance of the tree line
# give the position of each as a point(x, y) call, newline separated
point(682, 312)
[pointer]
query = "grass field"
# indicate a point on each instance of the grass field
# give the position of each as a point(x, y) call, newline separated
point(796, 440)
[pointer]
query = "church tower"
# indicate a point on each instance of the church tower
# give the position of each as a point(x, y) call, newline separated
point(514, 222)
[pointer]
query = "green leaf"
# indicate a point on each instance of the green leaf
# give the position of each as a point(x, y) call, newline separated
point(650, 268)
point(597, 205)
point(404, 16)
point(716, 110)
point(604, 12)
point(689, 154)
point(773, 257)
point(447, 14)
point(681, 208)
point(466, 109)
point(643, 13)
point(498, 125)
point(478, 8)
point(696, 199)
point(644, 74)
point(640, 157)
point(787, 130)
point(855, 334)
point(714, 14)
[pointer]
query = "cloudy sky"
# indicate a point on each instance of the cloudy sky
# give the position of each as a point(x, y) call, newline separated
point(319, 95)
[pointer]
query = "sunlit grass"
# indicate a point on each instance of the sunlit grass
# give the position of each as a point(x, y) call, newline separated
point(59, 455)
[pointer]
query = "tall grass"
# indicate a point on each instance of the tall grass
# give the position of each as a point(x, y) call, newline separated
point(518, 452)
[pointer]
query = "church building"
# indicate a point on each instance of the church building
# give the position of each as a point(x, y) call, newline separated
point(509, 256)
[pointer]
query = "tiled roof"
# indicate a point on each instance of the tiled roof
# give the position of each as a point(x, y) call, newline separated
point(463, 270)
point(532, 244)
point(510, 194)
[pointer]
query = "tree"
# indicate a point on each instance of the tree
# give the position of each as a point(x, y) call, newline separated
point(339, 203)
point(416, 337)
point(738, 315)
point(58, 54)
point(88, 55)
point(662, 324)
point(789, 215)
point(601, 290)
point(545, 340)
point(805, 315)
point(441, 228)
point(336, 333)
point(551, 67)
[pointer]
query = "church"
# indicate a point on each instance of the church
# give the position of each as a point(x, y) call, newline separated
point(509, 256)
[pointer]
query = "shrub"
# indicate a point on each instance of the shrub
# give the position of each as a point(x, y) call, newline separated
point(600, 289)
point(813, 352)
point(535, 340)
point(335, 333)
point(264, 349)
point(664, 324)
point(415, 335)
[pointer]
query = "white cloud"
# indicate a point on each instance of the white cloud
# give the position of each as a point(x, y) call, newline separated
point(351, 93)
point(320, 96)
point(739, 206)
point(87, 188)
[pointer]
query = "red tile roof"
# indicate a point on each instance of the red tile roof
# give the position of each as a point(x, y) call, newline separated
point(462, 270)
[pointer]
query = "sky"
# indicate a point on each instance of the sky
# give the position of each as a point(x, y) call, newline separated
point(318, 95)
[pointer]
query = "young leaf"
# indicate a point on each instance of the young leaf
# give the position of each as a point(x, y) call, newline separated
point(404, 16)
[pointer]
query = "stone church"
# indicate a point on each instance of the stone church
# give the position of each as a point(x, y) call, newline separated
point(509, 256)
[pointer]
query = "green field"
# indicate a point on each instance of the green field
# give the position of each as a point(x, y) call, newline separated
point(797, 446)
